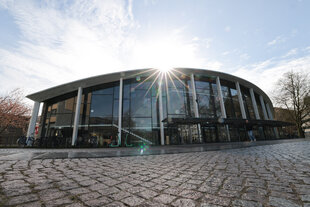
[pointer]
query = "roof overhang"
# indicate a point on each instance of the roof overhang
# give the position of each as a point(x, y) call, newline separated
point(70, 87)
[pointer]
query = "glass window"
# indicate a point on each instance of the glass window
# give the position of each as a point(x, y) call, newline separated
point(100, 120)
point(116, 92)
point(63, 120)
point(154, 112)
point(141, 122)
point(101, 106)
point(176, 103)
point(259, 106)
point(126, 90)
point(115, 112)
point(247, 103)
point(105, 91)
point(126, 109)
point(236, 105)
point(140, 104)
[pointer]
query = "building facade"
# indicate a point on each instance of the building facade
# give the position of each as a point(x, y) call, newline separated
point(148, 106)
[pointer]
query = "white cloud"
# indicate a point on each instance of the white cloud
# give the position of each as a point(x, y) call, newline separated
point(227, 29)
point(226, 53)
point(244, 56)
point(266, 73)
point(291, 52)
point(78, 39)
point(277, 40)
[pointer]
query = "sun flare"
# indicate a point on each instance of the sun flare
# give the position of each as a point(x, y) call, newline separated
point(164, 69)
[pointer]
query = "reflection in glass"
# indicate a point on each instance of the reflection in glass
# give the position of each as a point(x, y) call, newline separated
point(101, 106)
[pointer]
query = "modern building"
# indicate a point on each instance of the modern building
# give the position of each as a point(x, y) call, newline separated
point(148, 106)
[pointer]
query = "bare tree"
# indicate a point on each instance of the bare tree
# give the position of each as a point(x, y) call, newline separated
point(13, 111)
point(293, 92)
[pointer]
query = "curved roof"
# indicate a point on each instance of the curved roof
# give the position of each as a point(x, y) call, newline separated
point(70, 87)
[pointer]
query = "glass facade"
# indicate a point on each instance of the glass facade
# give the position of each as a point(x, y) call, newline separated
point(99, 113)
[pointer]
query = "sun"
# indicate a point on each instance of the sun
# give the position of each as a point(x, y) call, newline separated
point(164, 69)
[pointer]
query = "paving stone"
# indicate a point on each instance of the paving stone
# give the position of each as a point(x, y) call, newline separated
point(17, 191)
point(108, 191)
point(75, 205)
point(229, 193)
point(58, 202)
point(245, 203)
point(87, 182)
point(32, 204)
point(279, 202)
point(115, 204)
point(77, 191)
point(272, 175)
point(164, 198)
point(119, 196)
point(147, 194)
point(184, 203)
point(89, 196)
point(51, 194)
point(133, 201)
point(22, 199)
point(305, 198)
point(212, 199)
point(191, 194)
point(102, 201)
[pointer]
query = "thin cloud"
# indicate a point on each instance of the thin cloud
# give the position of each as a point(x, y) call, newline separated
point(277, 40)
point(227, 29)
point(266, 73)
point(291, 53)
point(78, 39)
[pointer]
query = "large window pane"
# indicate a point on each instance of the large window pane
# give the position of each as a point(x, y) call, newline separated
point(140, 104)
point(63, 120)
point(176, 103)
point(105, 91)
point(101, 106)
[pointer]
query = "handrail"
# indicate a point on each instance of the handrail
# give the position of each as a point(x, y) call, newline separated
point(133, 134)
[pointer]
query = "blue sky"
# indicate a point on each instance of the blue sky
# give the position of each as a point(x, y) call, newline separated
point(46, 43)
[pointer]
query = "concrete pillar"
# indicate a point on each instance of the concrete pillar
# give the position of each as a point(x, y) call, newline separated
point(194, 96)
point(196, 111)
point(120, 110)
point(223, 110)
point(254, 104)
point(240, 101)
point(220, 94)
point(161, 113)
point(77, 116)
point(271, 118)
point(257, 116)
point(262, 103)
point(33, 120)
point(270, 115)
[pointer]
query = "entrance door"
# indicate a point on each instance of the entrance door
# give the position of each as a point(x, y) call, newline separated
point(189, 134)
point(210, 134)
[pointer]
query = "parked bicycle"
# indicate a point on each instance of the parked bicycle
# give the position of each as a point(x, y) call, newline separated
point(21, 141)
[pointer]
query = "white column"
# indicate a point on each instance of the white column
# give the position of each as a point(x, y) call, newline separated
point(220, 94)
point(270, 115)
point(196, 111)
point(120, 109)
point(33, 120)
point(240, 101)
point(223, 110)
point(194, 96)
point(271, 118)
point(161, 113)
point(77, 116)
point(254, 104)
point(263, 107)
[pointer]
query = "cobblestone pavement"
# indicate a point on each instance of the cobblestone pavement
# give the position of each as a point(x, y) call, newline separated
point(273, 175)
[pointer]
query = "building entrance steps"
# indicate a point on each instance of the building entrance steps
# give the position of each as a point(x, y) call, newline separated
point(35, 153)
